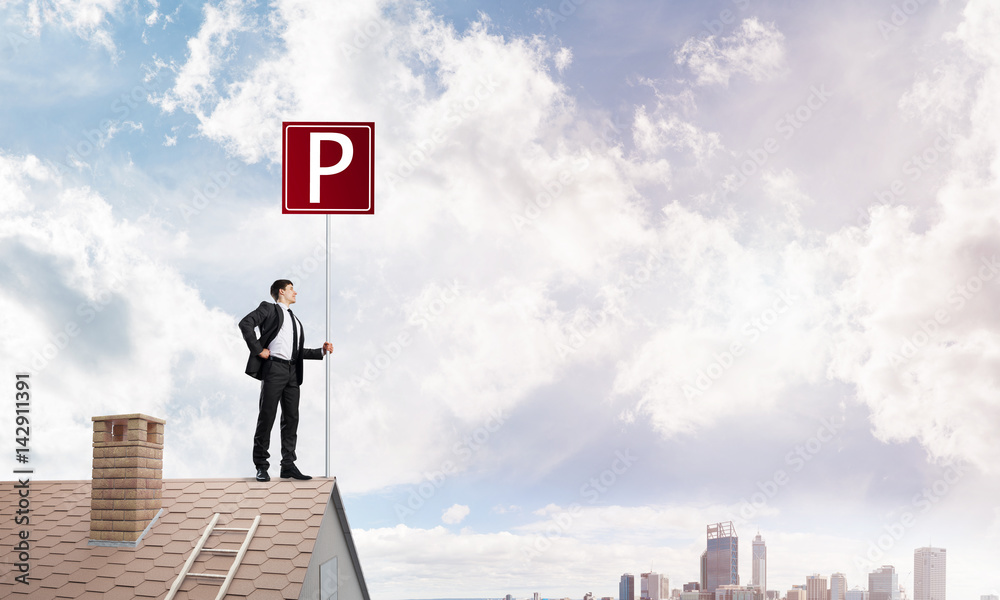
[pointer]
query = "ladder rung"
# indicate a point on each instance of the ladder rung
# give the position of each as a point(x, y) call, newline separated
point(219, 550)
point(212, 575)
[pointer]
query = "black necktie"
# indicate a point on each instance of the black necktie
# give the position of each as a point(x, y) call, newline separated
point(295, 335)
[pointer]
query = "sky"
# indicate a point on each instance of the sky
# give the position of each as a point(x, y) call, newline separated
point(635, 267)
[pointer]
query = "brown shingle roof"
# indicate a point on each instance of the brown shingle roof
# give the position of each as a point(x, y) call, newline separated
point(64, 565)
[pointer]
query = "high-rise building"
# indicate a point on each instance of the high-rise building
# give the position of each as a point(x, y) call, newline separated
point(694, 586)
point(929, 573)
point(857, 594)
point(883, 584)
point(703, 581)
point(654, 586)
point(838, 586)
point(626, 588)
point(798, 592)
point(816, 587)
point(537, 596)
point(723, 556)
point(759, 564)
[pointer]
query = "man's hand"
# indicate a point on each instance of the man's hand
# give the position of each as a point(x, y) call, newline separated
point(327, 347)
point(264, 353)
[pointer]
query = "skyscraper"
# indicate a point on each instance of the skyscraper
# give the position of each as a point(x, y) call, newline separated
point(883, 584)
point(723, 556)
point(816, 587)
point(626, 588)
point(838, 586)
point(654, 586)
point(929, 573)
point(760, 565)
point(704, 571)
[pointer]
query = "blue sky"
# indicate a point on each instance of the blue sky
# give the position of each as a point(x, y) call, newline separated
point(636, 267)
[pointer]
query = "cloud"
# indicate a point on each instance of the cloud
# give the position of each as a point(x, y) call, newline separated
point(121, 329)
point(755, 49)
point(455, 514)
point(86, 18)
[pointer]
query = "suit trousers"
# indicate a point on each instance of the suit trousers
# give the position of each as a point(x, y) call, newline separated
point(279, 386)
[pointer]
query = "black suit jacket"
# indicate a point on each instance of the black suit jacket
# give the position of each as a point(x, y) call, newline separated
point(268, 318)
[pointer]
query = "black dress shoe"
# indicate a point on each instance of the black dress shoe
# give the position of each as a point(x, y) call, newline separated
point(262, 475)
point(292, 472)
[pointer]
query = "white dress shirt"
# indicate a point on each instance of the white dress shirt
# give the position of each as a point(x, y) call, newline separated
point(281, 346)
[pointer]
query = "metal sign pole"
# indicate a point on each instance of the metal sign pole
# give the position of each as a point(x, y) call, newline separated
point(327, 339)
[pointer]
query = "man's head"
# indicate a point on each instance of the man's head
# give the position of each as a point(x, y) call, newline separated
point(282, 291)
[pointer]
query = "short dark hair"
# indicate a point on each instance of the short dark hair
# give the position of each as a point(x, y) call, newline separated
point(279, 285)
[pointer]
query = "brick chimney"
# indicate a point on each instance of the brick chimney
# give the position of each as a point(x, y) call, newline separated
point(127, 490)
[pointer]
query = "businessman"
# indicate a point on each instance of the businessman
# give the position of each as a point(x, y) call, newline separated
point(276, 360)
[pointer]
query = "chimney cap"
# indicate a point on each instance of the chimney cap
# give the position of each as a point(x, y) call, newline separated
point(129, 416)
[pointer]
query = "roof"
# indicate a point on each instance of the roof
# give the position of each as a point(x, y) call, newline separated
point(64, 565)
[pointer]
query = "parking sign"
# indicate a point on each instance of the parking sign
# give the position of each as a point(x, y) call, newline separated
point(328, 168)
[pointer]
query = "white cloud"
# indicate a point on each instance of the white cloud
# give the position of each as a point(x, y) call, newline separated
point(85, 18)
point(755, 49)
point(455, 514)
point(919, 334)
point(88, 294)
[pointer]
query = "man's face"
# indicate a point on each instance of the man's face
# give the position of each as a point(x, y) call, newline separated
point(288, 293)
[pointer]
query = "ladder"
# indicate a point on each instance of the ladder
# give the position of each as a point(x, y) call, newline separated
point(200, 547)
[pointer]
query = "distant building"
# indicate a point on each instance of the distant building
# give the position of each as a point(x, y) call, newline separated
point(759, 564)
point(626, 587)
point(654, 586)
point(857, 594)
point(723, 556)
point(703, 581)
point(883, 584)
point(838, 586)
point(798, 592)
point(694, 586)
point(989, 597)
point(816, 587)
point(587, 596)
point(735, 592)
point(929, 573)
point(536, 596)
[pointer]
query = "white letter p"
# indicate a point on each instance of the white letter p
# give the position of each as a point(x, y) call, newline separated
point(316, 170)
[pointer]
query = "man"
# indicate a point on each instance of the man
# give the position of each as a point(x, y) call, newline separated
point(276, 359)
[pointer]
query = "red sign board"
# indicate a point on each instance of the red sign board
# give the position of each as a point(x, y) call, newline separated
point(327, 168)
